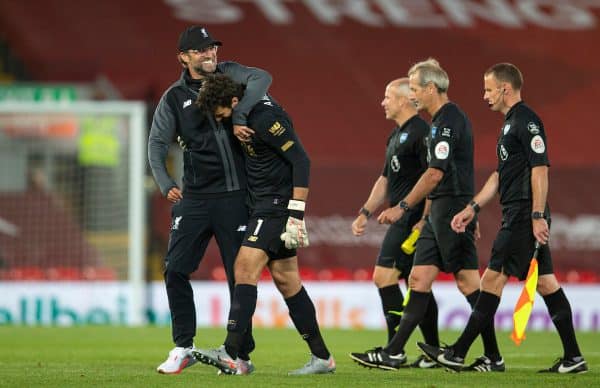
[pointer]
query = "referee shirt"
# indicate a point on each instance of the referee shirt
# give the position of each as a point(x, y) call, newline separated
point(405, 158)
point(521, 146)
point(451, 150)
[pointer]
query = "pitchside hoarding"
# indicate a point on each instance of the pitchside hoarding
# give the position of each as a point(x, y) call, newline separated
point(350, 305)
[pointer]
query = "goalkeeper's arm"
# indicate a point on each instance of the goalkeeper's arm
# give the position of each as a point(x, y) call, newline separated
point(295, 234)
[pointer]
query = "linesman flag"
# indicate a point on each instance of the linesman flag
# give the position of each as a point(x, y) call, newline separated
point(525, 302)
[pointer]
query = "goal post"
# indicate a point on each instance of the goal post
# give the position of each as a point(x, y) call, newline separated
point(72, 197)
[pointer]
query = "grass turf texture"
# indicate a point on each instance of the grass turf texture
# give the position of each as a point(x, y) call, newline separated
point(124, 357)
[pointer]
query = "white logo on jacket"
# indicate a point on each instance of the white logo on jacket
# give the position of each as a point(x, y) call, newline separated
point(187, 103)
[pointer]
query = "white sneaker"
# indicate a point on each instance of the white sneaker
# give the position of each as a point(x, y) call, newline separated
point(179, 359)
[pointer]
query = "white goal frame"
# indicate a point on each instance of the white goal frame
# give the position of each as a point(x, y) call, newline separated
point(136, 113)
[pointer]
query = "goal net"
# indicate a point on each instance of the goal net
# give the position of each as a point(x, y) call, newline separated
point(72, 202)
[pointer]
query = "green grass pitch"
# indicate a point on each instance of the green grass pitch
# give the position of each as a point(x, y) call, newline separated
point(124, 357)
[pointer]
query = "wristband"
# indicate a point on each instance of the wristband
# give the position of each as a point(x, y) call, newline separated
point(365, 212)
point(475, 206)
point(538, 215)
point(296, 208)
point(404, 206)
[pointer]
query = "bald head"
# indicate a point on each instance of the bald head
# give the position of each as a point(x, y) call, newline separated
point(396, 103)
point(399, 87)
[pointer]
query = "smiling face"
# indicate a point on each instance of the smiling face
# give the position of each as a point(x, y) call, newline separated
point(200, 62)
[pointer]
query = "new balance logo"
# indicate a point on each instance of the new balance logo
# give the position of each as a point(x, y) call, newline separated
point(176, 222)
point(187, 103)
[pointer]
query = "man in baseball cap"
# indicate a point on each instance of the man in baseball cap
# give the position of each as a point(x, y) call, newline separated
point(196, 38)
point(212, 202)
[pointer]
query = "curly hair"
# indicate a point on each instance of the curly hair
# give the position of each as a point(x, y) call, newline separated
point(218, 90)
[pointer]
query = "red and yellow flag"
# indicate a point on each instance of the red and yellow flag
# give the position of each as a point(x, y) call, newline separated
point(525, 302)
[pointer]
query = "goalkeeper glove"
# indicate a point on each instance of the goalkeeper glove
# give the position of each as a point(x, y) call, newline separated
point(295, 234)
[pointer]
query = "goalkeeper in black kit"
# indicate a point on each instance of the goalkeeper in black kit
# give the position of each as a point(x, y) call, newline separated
point(278, 170)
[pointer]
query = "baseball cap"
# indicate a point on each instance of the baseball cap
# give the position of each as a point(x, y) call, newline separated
point(196, 38)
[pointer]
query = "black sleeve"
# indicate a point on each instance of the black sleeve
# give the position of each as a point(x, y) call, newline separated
point(532, 137)
point(442, 146)
point(278, 132)
point(420, 146)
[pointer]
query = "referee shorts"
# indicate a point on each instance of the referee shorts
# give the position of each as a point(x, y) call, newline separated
point(439, 245)
point(515, 243)
point(391, 254)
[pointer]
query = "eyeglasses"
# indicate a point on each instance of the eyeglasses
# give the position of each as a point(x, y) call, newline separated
point(204, 50)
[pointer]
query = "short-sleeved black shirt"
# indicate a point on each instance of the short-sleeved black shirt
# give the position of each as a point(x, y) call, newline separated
point(275, 158)
point(405, 158)
point(521, 146)
point(451, 150)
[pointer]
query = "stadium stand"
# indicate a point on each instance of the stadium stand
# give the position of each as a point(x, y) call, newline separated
point(330, 70)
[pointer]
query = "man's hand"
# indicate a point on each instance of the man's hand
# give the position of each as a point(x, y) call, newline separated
point(541, 230)
point(295, 234)
point(390, 215)
point(243, 133)
point(461, 220)
point(174, 195)
point(359, 225)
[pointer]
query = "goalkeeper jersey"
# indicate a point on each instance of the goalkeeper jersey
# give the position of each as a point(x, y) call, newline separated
point(275, 158)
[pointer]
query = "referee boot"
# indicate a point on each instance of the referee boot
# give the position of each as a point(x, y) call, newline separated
point(567, 365)
point(423, 362)
point(379, 358)
point(485, 364)
point(444, 356)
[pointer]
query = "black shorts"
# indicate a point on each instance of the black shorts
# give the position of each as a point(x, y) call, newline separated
point(514, 244)
point(439, 245)
point(391, 254)
point(264, 231)
point(194, 221)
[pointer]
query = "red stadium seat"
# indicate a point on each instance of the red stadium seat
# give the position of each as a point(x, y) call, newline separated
point(64, 273)
point(335, 274)
point(26, 273)
point(265, 275)
point(363, 274)
point(99, 273)
point(308, 273)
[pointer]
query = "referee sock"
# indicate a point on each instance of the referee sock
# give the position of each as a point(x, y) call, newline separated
point(414, 312)
point(391, 301)
point(488, 332)
point(481, 318)
point(304, 316)
point(240, 314)
point(429, 324)
point(562, 317)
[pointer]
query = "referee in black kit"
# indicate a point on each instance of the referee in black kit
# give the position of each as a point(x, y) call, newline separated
point(212, 202)
point(405, 161)
point(448, 182)
point(521, 179)
point(278, 171)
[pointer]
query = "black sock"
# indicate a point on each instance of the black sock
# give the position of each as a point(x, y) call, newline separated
point(429, 323)
point(562, 317)
point(488, 332)
point(391, 301)
point(481, 318)
point(304, 316)
point(413, 315)
point(240, 314)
